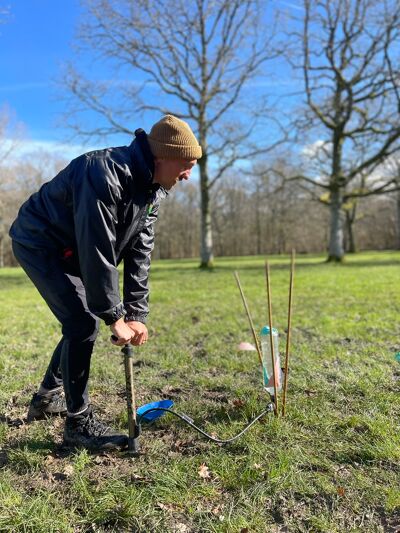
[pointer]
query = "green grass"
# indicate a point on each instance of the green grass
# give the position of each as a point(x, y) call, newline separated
point(331, 465)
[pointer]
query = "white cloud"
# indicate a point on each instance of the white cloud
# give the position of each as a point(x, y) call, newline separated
point(293, 6)
point(312, 150)
point(31, 148)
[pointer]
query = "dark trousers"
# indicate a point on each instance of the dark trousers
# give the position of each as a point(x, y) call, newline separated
point(64, 293)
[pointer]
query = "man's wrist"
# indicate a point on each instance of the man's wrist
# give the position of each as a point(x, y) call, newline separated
point(114, 314)
point(119, 321)
point(136, 318)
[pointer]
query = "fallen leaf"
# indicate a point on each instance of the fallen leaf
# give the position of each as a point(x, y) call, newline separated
point(341, 491)
point(68, 470)
point(238, 402)
point(246, 347)
point(181, 528)
point(204, 471)
point(257, 466)
point(136, 478)
point(164, 507)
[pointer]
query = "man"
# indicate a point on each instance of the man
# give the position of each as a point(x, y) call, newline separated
point(69, 238)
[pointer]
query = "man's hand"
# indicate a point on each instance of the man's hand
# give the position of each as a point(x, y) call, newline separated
point(122, 331)
point(139, 332)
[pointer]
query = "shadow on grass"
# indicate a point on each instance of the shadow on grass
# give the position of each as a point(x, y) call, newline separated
point(25, 456)
point(355, 457)
point(33, 445)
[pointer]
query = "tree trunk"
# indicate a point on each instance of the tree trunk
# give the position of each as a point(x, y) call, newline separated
point(398, 220)
point(1, 251)
point(206, 253)
point(258, 203)
point(351, 243)
point(336, 251)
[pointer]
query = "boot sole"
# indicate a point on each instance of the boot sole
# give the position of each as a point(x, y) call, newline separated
point(79, 446)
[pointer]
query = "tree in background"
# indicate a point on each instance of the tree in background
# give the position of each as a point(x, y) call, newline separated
point(19, 179)
point(351, 73)
point(264, 213)
point(197, 59)
point(10, 133)
point(178, 224)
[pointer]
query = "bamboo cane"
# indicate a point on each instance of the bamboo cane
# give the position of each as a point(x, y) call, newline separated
point(249, 317)
point(285, 382)
point(271, 336)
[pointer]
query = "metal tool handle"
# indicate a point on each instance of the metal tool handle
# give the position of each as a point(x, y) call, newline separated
point(133, 426)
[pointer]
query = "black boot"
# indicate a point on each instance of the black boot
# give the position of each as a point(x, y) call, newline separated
point(45, 405)
point(85, 431)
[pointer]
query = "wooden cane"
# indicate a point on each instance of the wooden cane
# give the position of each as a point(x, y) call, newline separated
point(267, 275)
point(249, 318)
point(289, 325)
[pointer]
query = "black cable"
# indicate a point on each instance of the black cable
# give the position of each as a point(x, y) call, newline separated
point(189, 421)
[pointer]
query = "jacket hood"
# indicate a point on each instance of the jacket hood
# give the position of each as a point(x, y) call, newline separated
point(143, 161)
point(142, 158)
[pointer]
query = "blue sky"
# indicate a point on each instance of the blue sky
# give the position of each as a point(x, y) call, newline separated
point(36, 39)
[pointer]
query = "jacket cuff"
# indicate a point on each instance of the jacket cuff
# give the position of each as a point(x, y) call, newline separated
point(113, 314)
point(139, 317)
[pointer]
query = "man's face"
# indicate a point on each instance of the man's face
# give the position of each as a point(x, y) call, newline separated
point(169, 171)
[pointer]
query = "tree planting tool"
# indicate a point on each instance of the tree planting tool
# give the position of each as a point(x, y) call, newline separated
point(152, 411)
point(133, 426)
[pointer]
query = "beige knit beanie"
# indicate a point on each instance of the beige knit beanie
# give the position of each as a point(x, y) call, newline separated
point(172, 138)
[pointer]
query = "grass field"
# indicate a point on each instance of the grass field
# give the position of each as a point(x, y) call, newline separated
point(331, 465)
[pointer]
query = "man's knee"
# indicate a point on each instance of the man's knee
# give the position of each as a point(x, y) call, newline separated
point(82, 328)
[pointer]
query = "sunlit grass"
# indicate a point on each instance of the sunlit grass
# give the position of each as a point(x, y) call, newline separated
point(331, 465)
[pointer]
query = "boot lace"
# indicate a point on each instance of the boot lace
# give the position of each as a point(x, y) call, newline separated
point(58, 399)
point(95, 427)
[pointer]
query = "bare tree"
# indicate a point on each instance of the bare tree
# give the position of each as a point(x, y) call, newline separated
point(392, 171)
point(10, 135)
point(19, 179)
point(196, 59)
point(351, 75)
point(177, 225)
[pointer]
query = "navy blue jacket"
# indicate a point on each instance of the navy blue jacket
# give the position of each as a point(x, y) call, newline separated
point(98, 211)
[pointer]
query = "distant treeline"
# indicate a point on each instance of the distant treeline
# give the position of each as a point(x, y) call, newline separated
point(260, 214)
point(250, 221)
